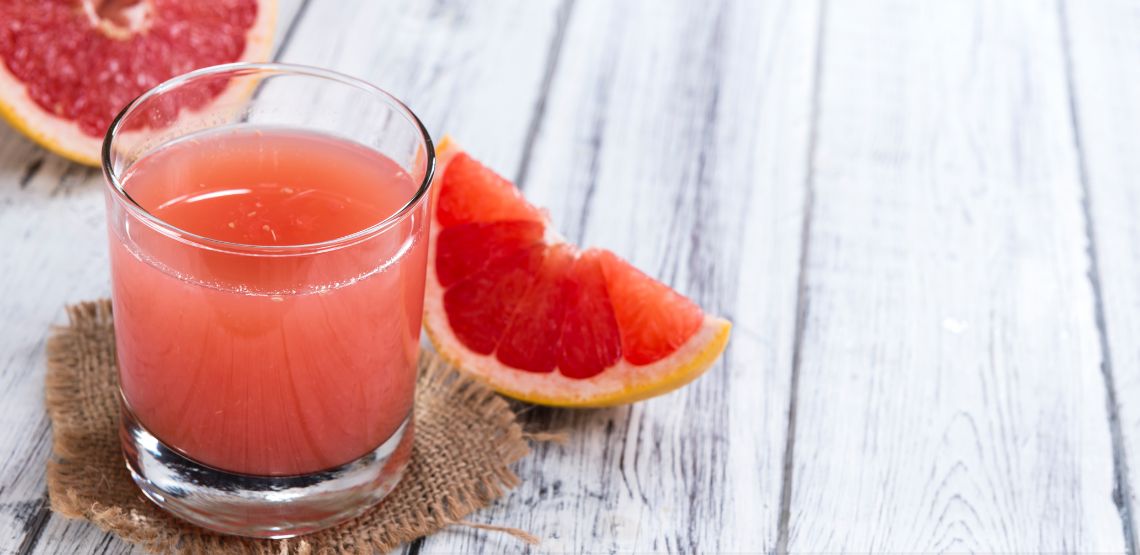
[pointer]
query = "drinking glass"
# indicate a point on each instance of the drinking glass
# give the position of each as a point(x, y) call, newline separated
point(267, 370)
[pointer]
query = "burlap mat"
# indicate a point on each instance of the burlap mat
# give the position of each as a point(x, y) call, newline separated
point(466, 438)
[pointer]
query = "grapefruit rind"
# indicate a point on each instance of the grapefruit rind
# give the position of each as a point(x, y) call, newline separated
point(63, 137)
point(58, 135)
point(619, 384)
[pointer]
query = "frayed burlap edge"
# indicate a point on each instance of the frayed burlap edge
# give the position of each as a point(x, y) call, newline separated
point(466, 438)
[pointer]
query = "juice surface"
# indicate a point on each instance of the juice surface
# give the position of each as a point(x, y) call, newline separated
point(269, 364)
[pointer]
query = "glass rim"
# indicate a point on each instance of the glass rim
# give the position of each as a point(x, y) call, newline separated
point(115, 183)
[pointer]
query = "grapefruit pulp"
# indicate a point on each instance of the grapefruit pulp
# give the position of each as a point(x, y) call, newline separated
point(540, 320)
point(67, 67)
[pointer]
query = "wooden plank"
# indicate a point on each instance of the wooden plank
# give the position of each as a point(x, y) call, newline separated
point(59, 212)
point(51, 212)
point(949, 397)
point(463, 66)
point(675, 134)
point(52, 218)
point(472, 69)
point(1105, 81)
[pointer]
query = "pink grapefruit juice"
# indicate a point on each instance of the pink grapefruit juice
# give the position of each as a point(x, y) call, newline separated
point(277, 332)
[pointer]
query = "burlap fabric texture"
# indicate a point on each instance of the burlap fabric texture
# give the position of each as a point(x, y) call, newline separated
point(466, 438)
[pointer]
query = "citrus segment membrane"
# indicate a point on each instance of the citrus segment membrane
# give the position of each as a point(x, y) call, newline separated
point(591, 339)
point(654, 319)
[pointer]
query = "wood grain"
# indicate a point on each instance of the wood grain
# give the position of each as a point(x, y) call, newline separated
point(950, 396)
point(1104, 77)
point(55, 252)
point(965, 368)
point(675, 134)
point(472, 69)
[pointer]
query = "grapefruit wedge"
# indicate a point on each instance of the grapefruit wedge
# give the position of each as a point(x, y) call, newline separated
point(68, 66)
point(512, 304)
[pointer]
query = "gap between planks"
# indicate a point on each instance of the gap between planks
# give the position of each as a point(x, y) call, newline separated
point(1122, 490)
point(802, 299)
point(554, 54)
point(287, 38)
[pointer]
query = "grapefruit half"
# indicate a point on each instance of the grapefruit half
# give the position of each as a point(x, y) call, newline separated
point(514, 305)
point(67, 67)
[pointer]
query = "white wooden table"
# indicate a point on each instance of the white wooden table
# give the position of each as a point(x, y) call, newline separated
point(921, 216)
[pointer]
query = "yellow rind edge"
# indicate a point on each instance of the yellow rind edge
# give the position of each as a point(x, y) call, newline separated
point(682, 375)
point(8, 114)
point(12, 118)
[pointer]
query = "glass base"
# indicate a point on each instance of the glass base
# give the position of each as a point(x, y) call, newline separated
point(261, 506)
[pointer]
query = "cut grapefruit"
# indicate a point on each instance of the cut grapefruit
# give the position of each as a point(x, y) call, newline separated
point(514, 305)
point(68, 66)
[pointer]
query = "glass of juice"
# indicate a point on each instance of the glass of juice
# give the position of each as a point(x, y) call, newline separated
point(268, 231)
